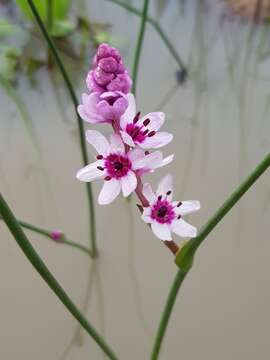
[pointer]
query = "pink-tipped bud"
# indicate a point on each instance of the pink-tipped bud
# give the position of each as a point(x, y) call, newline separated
point(56, 235)
point(109, 72)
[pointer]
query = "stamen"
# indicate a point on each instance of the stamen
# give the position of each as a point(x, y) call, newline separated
point(179, 204)
point(145, 132)
point(107, 178)
point(160, 197)
point(135, 132)
point(147, 152)
point(152, 133)
point(178, 217)
point(100, 168)
point(136, 118)
point(146, 122)
point(169, 192)
point(99, 157)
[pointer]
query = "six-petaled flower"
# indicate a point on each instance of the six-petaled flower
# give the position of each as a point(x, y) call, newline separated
point(143, 131)
point(102, 108)
point(165, 215)
point(118, 168)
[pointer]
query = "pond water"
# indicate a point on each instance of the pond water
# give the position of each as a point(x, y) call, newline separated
point(220, 122)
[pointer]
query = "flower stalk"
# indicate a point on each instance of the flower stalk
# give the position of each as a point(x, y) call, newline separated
point(55, 236)
point(79, 121)
point(47, 276)
point(139, 45)
point(184, 258)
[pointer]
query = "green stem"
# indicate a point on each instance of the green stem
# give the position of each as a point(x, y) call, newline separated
point(79, 121)
point(42, 269)
point(158, 28)
point(48, 235)
point(185, 256)
point(49, 14)
point(179, 278)
point(139, 46)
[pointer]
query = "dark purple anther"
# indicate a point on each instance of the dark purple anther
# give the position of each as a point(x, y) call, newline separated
point(136, 118)
point(146, 122)
point(145, 132)
point(152, 133)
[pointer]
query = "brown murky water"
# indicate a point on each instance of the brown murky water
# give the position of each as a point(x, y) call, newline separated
point(220, 120)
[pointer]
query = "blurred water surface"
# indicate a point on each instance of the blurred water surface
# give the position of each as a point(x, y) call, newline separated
point(220, 122)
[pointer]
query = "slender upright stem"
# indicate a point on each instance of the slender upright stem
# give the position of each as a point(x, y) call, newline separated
point(42, 269)
point(188, 251)
point(139, 46)
point(158, 28)
point(166, 313)
point(79, 121)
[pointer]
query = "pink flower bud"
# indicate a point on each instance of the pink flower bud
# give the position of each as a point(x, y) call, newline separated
point(109, 72)
point(56, 235)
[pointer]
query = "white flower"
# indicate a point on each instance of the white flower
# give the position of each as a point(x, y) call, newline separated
point(117, 167)
point(165, 215)
point(143, 131)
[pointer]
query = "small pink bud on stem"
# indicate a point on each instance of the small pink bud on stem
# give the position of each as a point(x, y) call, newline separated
point(56, 235)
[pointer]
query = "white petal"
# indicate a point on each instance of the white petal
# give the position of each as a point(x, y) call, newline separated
point(167, 160)
point(162, 231)
point(188, 207)
point(127, 138)
point(152, 160)
point(156, 120)
point(158, 140)
point(117, 143)
point(128, 183)
point(146, 215)
point(165, 185)
point(99, 142)
point(90, 172)
point(136, 156)
point(184, 229)
point(109, 191)
point(148, 193)
point(130, 112)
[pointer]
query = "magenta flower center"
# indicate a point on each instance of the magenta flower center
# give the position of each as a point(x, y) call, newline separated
point(139, 132)
point(117, 165)
point(163, 212)
point(112, 99)
point(136, 133)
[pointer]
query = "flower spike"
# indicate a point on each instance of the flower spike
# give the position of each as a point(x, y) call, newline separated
point(125, 158)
